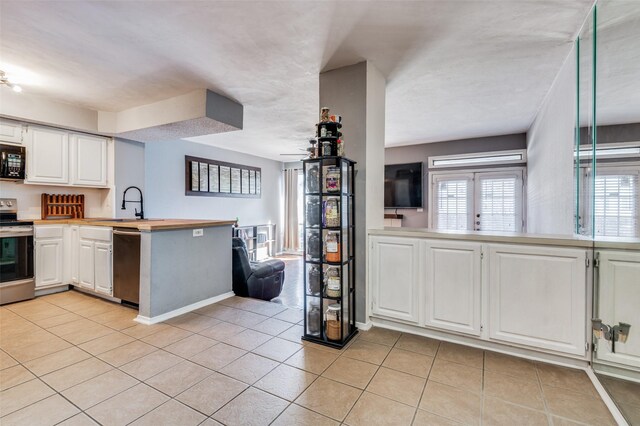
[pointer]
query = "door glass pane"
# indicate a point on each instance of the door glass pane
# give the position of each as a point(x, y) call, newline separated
point(499, 204)
point(453, 204)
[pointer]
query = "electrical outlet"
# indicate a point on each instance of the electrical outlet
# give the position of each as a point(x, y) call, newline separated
point(420, 210)
point(198, 232)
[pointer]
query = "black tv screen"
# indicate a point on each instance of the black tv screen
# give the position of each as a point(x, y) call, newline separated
point(403, 185)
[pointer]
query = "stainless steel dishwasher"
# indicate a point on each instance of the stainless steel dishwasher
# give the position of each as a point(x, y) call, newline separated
point(126, 265)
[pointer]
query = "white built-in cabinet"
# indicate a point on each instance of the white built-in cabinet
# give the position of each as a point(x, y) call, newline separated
point(49, 247)
point(10, 132)
point(59, 157)
point(454, 286)
point(395, 278)
point(618, 286)
point(523, 295)
point(88, 160)
point(47, 156)
point(538, 297)
point(71, 254)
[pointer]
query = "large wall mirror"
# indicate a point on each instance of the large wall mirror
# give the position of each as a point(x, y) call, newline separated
point(608, 191)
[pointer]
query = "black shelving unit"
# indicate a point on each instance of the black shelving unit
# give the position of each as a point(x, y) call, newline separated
point(317, 268)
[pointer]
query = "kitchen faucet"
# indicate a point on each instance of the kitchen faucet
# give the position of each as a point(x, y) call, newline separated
point(141, 201)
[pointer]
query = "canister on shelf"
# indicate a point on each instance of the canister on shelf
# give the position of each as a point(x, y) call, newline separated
point(313, 211)
point(332, 282)
point(331, 212)
point(313, 247)
point(332, 322)
point(313, 280)
point(332, 180)
point(312, 178)
point(332, 247)
point(324, 114)
point(313, 320)
point(327, 150)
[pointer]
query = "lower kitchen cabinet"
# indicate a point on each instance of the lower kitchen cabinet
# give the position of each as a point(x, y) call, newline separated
point(453, 286)
point(395, 278)
point(538, 297)
point(49, 262)
point(94, 260)
point(102, 267)
point(618, 286)
point(86, 264)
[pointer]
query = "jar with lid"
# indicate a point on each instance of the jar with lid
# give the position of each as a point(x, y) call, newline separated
point(332, 322)
point(332, 282)
point(313, 211)
point(331, 212)
point(332, 247)
point(313, 280)
point(313, 246)
point(313, 320)
point(332, 180)
point(313, 176)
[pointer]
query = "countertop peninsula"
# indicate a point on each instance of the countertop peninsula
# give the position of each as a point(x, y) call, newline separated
point(140, 224)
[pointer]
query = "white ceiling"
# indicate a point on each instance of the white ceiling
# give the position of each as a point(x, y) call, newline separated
point(454, 69)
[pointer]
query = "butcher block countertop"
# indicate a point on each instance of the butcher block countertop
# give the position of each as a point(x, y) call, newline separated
point(142, 225)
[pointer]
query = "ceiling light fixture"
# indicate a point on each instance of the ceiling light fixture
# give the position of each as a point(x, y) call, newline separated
point(5, 81)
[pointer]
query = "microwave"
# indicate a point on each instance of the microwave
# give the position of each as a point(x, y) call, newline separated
point(12, 162)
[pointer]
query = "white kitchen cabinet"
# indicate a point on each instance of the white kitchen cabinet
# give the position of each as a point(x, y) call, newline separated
point(47, 155)
point(538, 297)
point(74, 253)
point(10, 132)
point(395, 277)
point(49, 258)
point(453, 286)
point(619, 301)
point(88, 160)
point(86, 264)
point(102, 261)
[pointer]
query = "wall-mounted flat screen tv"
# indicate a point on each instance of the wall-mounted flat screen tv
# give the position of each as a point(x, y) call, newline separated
point(403, 186)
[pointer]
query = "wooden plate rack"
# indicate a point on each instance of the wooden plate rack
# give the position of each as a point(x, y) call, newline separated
point(62, 206)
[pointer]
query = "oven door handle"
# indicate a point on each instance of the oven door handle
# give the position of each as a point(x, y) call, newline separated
point(16, 234)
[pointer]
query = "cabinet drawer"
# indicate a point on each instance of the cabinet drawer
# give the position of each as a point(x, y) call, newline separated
point(98, 233)
point(49, 231)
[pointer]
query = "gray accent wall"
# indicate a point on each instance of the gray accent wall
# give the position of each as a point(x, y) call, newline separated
point(414, 218)
point(178, 269)
point(550, 146)
point(129, 170)
point(165, 186)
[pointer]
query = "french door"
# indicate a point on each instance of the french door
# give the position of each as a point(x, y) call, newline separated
point(480, 201)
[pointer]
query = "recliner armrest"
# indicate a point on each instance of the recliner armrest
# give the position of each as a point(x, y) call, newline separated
point(267, 268)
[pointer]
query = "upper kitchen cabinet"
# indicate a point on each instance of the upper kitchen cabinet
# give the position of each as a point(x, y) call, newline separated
point(58, 157)
point(10, 132)
point(47, 155)
point(88, 160)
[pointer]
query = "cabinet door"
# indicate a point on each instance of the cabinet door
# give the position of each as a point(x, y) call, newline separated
point(88, 160)
point(619, 301)
point(394, 273)
point(48, 262)
point(102, 258)
point(86, 264)
point(453, 299)
point(74, 254)
point(47, 156)
point(10, 132)
point(538, 297)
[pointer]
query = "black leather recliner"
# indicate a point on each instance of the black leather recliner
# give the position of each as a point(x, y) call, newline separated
point(260, 280)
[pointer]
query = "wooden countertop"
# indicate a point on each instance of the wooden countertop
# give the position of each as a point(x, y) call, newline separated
point(142, 225)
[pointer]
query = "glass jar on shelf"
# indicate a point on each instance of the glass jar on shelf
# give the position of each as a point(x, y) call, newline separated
point(313, 320)
point(331, 212)
point(313, 211)
point(332, 322)
point(313, 280)
point(332, 179)
point(313, 246)
point(312, 178)
point(332, 247)
point(332, 282)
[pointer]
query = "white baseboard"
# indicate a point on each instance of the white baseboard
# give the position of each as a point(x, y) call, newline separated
point(606, 398)
point(43, 291)
point(364, 326)
point(183, 310)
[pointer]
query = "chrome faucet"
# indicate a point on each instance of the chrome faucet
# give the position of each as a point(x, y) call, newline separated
point(141, 201)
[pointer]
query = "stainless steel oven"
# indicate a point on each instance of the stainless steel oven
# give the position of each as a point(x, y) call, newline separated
point(16, 255)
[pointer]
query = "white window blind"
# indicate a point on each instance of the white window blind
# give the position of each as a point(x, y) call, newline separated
point(498, 204)
point(453, 204)
point(616, 205)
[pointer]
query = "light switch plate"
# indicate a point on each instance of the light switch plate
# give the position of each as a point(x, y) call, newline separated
point(420, 210)
point(198, 232)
